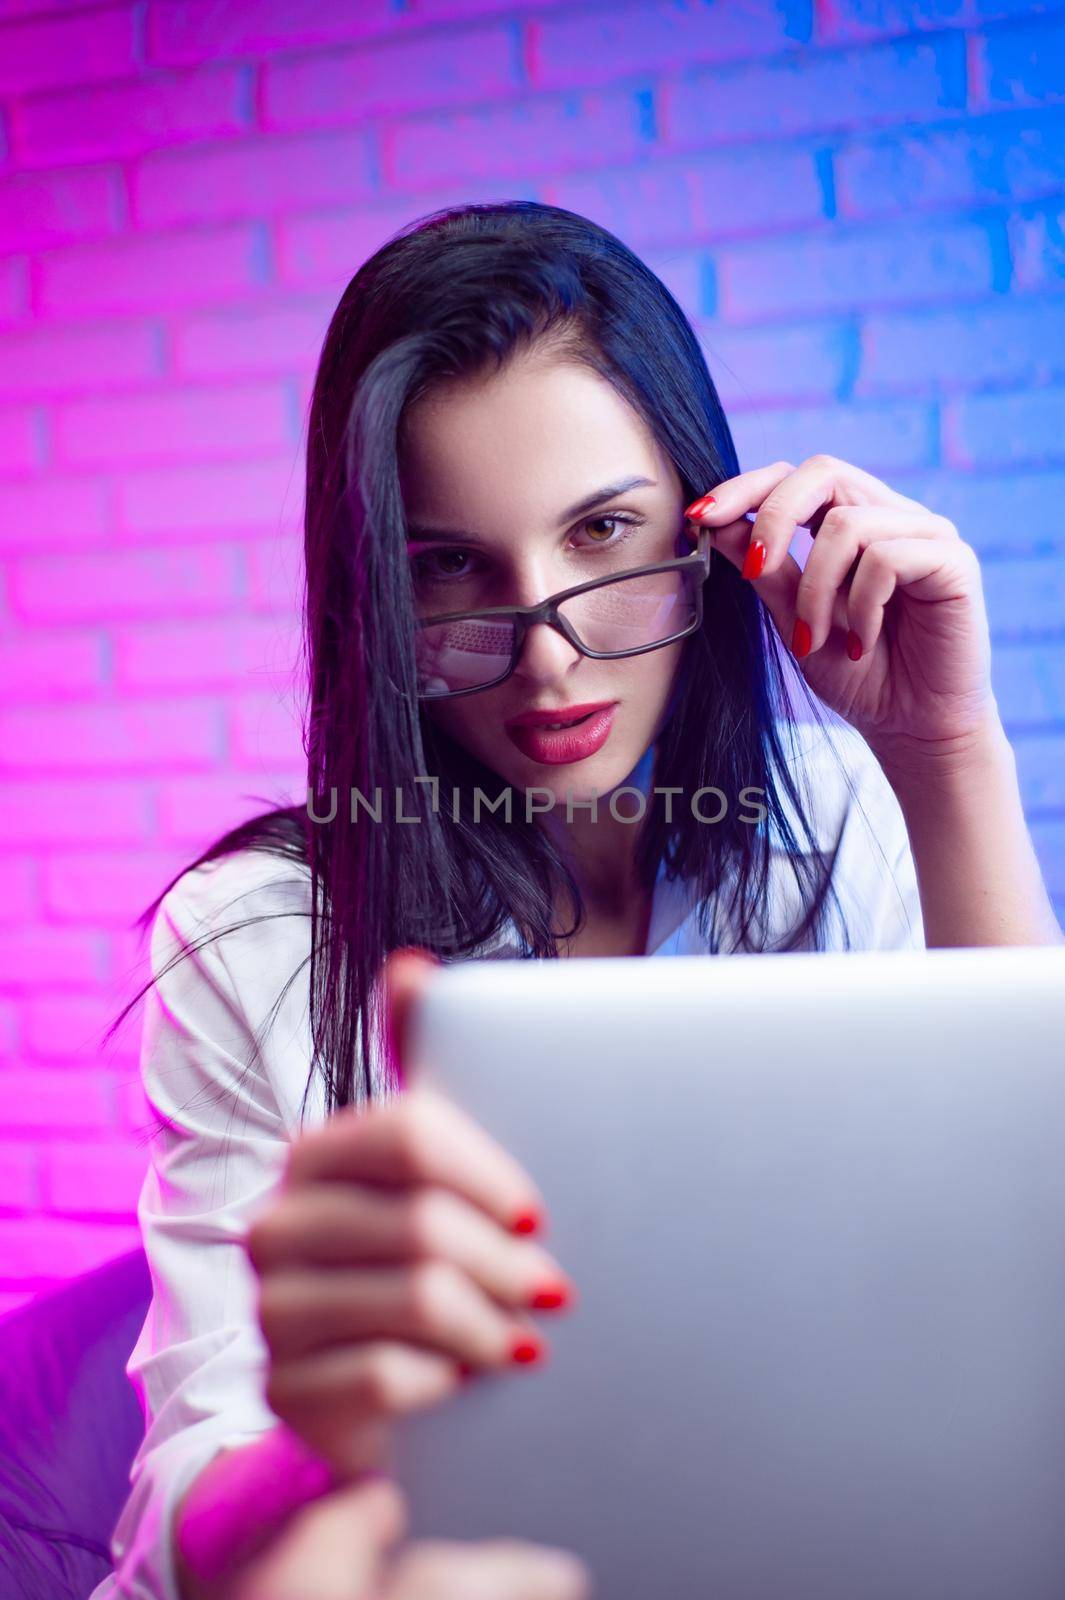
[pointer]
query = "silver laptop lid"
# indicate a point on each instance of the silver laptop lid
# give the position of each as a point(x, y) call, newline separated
point(814, 1206)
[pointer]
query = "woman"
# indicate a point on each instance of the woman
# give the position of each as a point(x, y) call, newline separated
point(510, 407)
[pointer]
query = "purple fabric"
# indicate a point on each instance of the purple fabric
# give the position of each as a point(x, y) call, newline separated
point(70, 1424)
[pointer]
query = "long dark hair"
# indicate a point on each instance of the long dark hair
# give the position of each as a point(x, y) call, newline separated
point(455, 294)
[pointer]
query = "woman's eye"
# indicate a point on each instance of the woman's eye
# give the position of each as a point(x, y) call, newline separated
point(591, 528)
point(438, 564)
point(451, 564)
point(626, 525)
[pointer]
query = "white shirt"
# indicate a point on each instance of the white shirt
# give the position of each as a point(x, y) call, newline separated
point(199, 1362)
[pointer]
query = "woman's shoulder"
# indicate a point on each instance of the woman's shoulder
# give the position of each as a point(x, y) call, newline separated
point(230, 958)
point(247, 913)
point(855, 819)
point(207, 891)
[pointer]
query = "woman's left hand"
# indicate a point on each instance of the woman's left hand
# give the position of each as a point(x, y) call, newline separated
point(884, 574)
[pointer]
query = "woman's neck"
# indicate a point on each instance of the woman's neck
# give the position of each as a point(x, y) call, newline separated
point(612, 932)
point(601, 854)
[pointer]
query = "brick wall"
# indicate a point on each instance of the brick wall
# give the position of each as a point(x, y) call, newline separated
point(859, 205)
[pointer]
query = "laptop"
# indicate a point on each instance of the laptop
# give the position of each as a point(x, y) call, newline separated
point(814, 1208)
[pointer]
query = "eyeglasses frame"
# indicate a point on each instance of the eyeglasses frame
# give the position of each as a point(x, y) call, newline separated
point(525, 617)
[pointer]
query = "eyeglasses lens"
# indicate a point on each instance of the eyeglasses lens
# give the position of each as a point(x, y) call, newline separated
point(626, 614)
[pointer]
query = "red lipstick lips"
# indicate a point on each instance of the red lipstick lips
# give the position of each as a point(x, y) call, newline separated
point(586, 730)
point(539, 719)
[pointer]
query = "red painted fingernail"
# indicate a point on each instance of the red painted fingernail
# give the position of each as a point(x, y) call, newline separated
point(801, 638)
point(526, 1222)
point(466, 1372)
point(854, 646)
point(526, 1351)
point(754, 560)
point(700, 505)
point(552, 1297)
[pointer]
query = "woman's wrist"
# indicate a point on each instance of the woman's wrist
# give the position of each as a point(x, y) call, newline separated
point(925, 773)
point(240, 1499)
point(977, 871)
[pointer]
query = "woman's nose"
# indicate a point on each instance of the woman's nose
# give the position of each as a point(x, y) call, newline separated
point(546, 655)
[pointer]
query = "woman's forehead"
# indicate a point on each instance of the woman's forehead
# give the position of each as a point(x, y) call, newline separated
point(539, 436)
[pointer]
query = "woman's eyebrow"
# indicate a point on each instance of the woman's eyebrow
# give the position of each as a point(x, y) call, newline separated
point(598, 497)
point(609, 492)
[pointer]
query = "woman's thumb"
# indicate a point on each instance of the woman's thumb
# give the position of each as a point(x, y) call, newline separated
point(406, 973)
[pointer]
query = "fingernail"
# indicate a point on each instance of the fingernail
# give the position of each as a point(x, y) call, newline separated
point(754, 560)
point(854, 646)
point(552, 1297)
point(525, 1352)
point(526, 1222)
point(801, 638)
point(700, 505)
point(466, 1372)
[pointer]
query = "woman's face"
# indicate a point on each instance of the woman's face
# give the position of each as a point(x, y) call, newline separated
point(490, 471)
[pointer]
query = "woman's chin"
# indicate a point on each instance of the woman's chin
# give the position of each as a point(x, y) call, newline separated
point(578, 781)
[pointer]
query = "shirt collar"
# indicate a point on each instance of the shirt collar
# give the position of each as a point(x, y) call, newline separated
point(672, 901)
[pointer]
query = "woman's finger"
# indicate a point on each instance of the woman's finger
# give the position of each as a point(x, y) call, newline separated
point(785, 497)
point(405, 975)
point(777, 589)
point(430, 1303)
point(421, 1137)
point(930, 570)
point(846, 532)
point(342, 1402)
point(332, 1549)
point(733, 496)
point(332, 1224)
point(357, 1380)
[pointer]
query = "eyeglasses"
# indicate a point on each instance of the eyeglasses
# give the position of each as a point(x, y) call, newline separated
point(625, 614)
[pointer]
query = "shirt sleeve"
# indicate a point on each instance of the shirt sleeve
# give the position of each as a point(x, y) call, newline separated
point(199, 1363)
point(855, 821)
point(875, 876)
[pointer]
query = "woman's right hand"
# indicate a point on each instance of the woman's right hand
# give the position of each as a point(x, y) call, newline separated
point(392, 1263)
point(345, 1546)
